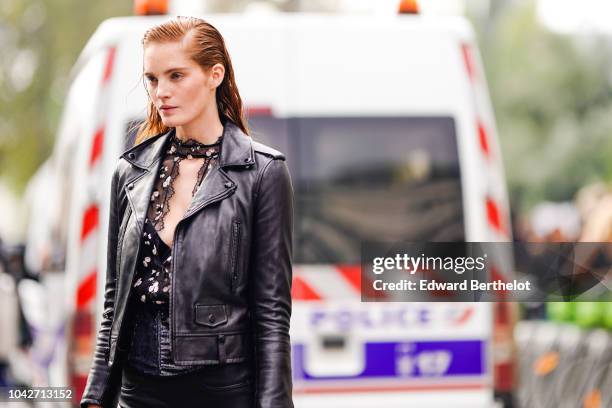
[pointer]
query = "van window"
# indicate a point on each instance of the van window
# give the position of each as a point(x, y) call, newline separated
point(368, 179)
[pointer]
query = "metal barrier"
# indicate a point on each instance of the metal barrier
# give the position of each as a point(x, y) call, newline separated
point(563, 366)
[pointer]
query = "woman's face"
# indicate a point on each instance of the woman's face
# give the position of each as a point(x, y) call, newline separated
point(177, 85)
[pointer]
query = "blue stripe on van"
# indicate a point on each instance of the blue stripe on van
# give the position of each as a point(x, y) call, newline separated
point(465, 358)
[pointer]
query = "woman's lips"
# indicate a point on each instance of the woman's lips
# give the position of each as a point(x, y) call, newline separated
point(168, 109)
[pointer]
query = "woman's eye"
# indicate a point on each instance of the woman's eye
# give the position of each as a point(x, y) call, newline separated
point(176, 75)
point(151, 79)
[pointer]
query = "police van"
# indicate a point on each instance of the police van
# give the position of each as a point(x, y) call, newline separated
point(389, 135)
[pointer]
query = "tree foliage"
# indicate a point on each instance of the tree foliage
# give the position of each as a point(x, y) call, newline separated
point(552, 95)
point(40, 41)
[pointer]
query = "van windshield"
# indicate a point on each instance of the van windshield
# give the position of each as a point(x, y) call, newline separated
point(363, 179)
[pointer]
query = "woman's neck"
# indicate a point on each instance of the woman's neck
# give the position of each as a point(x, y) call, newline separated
point(204, 130)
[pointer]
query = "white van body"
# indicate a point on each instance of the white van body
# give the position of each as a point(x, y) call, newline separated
point(417, 80)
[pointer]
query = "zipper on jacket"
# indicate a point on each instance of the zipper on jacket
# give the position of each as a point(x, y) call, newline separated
point(172, 327)
point(235, 248)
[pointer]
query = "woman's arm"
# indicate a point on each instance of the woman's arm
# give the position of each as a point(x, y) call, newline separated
point(271, 272)
point(101, 380)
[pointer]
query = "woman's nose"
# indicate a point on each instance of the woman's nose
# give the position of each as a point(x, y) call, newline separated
point(163, 90)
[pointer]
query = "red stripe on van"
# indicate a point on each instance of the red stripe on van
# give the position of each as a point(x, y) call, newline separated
point(96, 146)
point(365, 286)
point(483, 138)
point(464, 317)
point(352, 274)
point(86, 290)
point(494, 215)
point(108, 67)
point(468, 59)
point(90, 221)
point(300, 290)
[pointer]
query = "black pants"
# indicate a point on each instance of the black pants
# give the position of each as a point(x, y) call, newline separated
point(229, 386)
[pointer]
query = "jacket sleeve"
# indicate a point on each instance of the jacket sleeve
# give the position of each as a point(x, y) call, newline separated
point(103, 380)
point(271, 273)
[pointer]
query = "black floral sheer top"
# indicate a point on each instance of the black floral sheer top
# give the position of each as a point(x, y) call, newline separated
point(154, 272)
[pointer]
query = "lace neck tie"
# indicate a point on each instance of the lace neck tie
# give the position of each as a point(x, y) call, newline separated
point(176, 151)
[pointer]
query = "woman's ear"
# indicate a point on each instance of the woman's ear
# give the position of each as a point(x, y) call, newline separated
point(217, 73)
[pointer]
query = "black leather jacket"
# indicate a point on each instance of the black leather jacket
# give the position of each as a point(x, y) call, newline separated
point(232, 252)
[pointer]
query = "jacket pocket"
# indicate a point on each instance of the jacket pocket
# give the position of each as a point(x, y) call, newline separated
point(235, 247)
point(210, 315)
point(220, 348)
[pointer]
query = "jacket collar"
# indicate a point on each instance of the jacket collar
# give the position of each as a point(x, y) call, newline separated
point(236, 149)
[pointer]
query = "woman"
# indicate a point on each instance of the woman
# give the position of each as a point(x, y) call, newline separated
point(197, 301)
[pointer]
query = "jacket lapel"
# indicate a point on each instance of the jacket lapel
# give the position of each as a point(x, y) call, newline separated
point(236, 150)
point(140, 193)
point(216, 186)
point(139, 185)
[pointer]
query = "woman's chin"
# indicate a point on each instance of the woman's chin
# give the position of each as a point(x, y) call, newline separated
point(170, 122)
